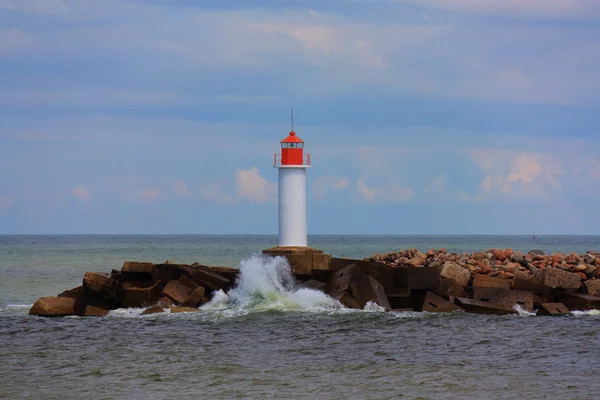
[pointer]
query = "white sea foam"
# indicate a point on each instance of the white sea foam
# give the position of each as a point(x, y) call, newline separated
point(266, 283)
point(593, 313)
point(523, 312)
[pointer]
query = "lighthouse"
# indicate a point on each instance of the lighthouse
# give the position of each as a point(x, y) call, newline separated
point(292, 164)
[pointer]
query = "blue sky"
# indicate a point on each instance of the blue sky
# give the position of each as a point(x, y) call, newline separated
point(424, 117)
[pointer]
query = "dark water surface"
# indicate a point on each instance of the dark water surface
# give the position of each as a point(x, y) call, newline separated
point(285, 345)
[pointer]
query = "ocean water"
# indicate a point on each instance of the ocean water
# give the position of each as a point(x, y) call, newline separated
point(266, 339)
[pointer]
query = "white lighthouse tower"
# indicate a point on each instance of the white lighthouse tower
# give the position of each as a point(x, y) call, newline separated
point(292, 164)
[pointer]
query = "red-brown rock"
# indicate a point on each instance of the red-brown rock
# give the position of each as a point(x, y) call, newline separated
point(137, 294)
point(195, 298)
point(177, 291)
point(101, 284)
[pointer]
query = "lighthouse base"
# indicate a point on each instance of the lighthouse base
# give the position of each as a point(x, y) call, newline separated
point(287, 250)
point(304, 260)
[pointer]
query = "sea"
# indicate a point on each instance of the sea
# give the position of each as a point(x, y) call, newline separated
point(267, 339)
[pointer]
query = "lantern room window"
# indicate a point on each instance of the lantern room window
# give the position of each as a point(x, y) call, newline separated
point(292, 145)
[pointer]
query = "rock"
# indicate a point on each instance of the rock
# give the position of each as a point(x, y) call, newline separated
point(153, 310)
point(184, 280)
point(53, 307)
point(553, 309)
point(416, 278)
point(570, 259)
point(415, 261)
point(536, 252)
point(488, 281)
point(210, 280)
point(593, 287)
point(556, 278)
point(435, 264)
point(65, 306)
point(580, 268)
point(137, 294)
point(435, 303)
point(176, 291)
point(484, 268)
point(137, 271)
point(589, 259)
point(102, 284)
point(164, 302)
point(582, 275)
point(504, 296)
point(483, 307)
point(367, 289)
point(400, 299)
point(578, 301)
point(518, 258)
point(450, 289)
point(175, 309)
point(195, 298)
point(456, 273)
point(339, 285)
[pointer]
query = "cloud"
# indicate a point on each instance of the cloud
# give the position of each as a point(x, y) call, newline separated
point(594, 167)
point(180, 187)
point(81, 193)
point(515, 174)
point(217, 194)
point(6, 202)
point(399, 193)
point(368, 193)
point(253, 187)
point(150, 193)
point(324, 184)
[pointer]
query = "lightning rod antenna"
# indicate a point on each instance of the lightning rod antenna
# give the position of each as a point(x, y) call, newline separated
point(292, 119)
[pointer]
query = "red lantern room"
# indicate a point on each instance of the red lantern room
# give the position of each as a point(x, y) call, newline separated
point(292, 151)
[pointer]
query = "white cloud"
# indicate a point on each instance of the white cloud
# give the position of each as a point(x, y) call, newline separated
point(216, 193)
point(324, 184)
point(81, 193)
point(594, 167)
point(6, 202)
point(400, 193)
point(180, 187)
point(253, 187)
point(516, 174)
point(437, 186)
point(367, 192)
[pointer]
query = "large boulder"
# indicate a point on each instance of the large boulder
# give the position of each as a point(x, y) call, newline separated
point(455, 272)
point(196, 298)
point(137, 271)
point(177, 291)
point(101, 284)
point(557, 278)
point(55, 306)
point(137, 294)
point(593, 287)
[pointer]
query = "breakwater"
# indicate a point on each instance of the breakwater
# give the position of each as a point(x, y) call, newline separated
point(497, 281)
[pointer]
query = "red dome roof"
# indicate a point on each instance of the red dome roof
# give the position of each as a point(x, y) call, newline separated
point(292, 138)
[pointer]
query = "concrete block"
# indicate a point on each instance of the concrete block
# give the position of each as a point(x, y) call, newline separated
point(542, 293)
point(137, 294)
point(578, 301)
point(153, 310)
point(102, 284)
point(338, 286)
point(138, 271)
point(483, 307)
point(557, 278)
point(366, 289)
point(505, 297)
point(195, 298)
point(418, 278)
point(382, 273)
point(450, 289)
point(301, 264)
point(177, 291)
point(184, 280)
point(399, 298)
point(435, 303)
point(321, 262)
point(553, 309)
point(487, 281)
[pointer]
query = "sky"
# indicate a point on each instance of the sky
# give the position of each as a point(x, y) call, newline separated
point(421, 116)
